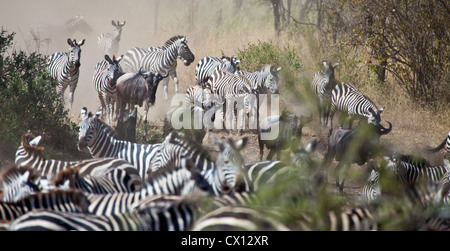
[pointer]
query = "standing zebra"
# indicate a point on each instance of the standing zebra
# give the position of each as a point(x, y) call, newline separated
point(347, 99)
point(30, 154)
point(322, 85)
point(108, 43)
point(264, 80)
point(64, 67)
point(207, 65)
point(231, 89)
point(162, 60)
point(101, 141)
point(106, 74)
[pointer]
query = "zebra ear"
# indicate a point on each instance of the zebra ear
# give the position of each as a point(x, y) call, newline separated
point(335, 65)
point(240, 144)
point(69, 41)
point(122, 24)
point(119, 58)
point(24, 177)
point(81, 43)
point(108, 59)
point(113, 23)
point(380, 110)
point(325, 64)
point(35, 141)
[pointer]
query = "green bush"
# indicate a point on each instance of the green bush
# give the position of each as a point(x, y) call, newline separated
point(29, 101)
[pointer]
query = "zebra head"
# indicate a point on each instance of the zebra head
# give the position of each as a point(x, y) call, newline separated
point(375, 119)
point(270, 78)
point(328, 74)
point(117, 28)
point(75, 51)
point(89, 130)
point(19, 182)
point(229, 162)
point(184, 52)
point(114, 69)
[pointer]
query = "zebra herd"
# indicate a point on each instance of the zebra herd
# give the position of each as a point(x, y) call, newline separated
point(181, 184)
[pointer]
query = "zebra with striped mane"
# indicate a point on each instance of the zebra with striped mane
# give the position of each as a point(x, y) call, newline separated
point(63, 201)
point(106, 74)
point(207, 65)
point(108, 43)
point(65, 68)
point(100, 140)
point(347, 99)
point(175, 214)
point(322, 85)
point(160, 60)
point(30, 154)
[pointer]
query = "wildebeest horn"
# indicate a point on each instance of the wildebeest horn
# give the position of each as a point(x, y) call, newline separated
point(386, 130)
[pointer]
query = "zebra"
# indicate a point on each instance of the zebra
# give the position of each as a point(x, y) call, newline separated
point(64, 67)
point(420, 179)
point(349, 100)
point(176, 214)
point(30, 154)
point(108, 43)
point(445, 142)
point(222, 174)
point(19, 182)
point(238, 218)
point(160, 60)
point(443, 193)
point(105, 77)
point(101, 142)
point(207, 65)
point(322, 84)
point(113, 181)
point(264, 80)
point(231, 88)
point(185, 180)
point(63, 201)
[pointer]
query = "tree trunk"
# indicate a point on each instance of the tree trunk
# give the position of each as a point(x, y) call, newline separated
point(276, 15)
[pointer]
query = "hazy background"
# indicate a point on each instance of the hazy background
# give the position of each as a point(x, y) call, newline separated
point(148, 23)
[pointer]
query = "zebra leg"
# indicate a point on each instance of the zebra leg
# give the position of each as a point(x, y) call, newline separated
point(270, 155)
point(102, 102)
point(71, 94)
point(175, 81)
point(146, 108)
point(62, 90)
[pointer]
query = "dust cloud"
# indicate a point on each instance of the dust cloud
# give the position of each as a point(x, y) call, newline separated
point(148, 23)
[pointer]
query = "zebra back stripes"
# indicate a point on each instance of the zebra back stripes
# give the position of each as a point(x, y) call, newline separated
point(101, 142)
point(184, 180)
point(160, 60)
point(207, 65)
point(113, 181)
point(176, 216)
point(349, 100)
point(63, 201)
point(108, 43)
point(30, 154)
point(64, 67)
